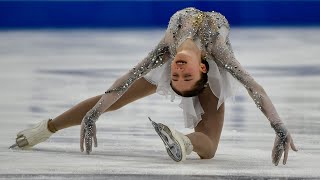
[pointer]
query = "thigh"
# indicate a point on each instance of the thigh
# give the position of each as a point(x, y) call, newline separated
point(212, 119)
point(137, 90)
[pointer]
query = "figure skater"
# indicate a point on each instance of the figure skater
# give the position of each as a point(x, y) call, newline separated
point(195, 60)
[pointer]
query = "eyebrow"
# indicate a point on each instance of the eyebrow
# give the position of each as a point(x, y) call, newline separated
point(185, 56)
point(184, 77)
point(184, 80)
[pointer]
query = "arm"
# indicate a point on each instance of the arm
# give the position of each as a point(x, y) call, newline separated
point(155, 58)
point(224, 57)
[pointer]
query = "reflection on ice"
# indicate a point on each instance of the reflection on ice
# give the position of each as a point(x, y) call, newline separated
point(44, 73)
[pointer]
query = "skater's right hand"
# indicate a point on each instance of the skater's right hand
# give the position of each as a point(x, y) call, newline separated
point(88, 131)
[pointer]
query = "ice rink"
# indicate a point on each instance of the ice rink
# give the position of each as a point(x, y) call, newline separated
point(45, 72)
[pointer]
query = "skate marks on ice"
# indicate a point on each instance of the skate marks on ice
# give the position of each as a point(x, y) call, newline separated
point(46, 72)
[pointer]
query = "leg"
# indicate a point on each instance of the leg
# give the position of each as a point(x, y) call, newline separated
point(207, 133)
point(204, 140)
point(74, 116)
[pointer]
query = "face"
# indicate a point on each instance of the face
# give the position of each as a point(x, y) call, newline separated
point(186, 69)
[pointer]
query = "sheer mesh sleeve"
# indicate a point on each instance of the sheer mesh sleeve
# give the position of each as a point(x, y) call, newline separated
point(225, 58)
point(157, 57)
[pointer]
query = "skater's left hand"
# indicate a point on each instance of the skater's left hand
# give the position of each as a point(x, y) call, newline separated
point(88, 131)
point(282, 143)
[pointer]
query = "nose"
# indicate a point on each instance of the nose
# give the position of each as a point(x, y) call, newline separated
point(179, 67)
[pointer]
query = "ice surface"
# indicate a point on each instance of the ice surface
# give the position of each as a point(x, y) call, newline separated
point(45, 72)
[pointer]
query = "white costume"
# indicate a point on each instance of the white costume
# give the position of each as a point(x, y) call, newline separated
point(210, 31)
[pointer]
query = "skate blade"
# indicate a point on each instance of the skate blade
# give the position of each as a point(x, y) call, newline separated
point(21, 142)
point(154, 124)
point(13, 146)
point(158, 128)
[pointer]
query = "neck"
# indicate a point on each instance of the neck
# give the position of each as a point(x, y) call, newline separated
point(188, 46)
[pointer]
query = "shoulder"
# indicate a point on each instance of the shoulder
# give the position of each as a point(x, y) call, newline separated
point(219, 19)
point(183, 13)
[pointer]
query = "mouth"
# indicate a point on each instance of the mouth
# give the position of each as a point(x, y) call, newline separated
point(181, 62)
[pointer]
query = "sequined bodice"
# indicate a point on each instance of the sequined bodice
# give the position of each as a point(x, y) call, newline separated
point(201, 27)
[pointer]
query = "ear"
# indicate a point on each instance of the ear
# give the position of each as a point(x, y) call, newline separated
point(203, 68)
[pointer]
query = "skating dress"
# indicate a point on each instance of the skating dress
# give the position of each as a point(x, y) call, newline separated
point(210, 32)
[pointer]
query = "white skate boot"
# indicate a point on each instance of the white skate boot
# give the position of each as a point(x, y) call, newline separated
point(176, 144)
point(32, 136)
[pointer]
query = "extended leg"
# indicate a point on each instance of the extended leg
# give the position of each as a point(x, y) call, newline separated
point(42, 131)
point(74, 116)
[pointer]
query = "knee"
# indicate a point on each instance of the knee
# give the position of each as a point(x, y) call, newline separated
point(209, 155)
point(210, 152)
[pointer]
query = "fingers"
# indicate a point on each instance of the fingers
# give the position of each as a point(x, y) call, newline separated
point(82, 131)
point(293, 147)
point(95, 136)
point(282, 147)
point(86, 138)
point(286, 151)
point(277, 156)
point(277, 151)
point(273, 156)
point(88, 142)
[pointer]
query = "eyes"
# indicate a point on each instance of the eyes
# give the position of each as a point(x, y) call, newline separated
point(186, 77)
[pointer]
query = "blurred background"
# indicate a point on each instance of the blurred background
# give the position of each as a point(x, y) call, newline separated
point(151, 13)
point(55, 54)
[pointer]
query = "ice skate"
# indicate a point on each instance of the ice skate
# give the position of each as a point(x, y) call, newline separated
point(176, 144)
point(32, 136)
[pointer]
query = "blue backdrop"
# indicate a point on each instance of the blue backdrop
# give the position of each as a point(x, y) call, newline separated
point(108, 14)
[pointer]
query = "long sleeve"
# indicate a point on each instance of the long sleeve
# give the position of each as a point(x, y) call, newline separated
point(157, 57)
point(225, 58)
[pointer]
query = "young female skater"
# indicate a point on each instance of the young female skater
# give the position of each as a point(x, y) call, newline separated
point(194, 59)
